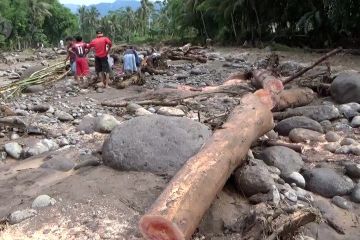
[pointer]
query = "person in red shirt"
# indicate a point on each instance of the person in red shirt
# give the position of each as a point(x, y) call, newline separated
point(102, 46)
point(79, 48)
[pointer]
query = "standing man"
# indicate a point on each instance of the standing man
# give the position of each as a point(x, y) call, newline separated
point(79, 48)
point(70, 55)
point(102, 47)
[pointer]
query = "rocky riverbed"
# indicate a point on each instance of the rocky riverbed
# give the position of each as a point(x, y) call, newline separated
point(72, 168)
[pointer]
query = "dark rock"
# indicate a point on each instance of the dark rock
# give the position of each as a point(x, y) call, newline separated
point(58, 163)
point(327, 182)
point(260, 197)
point(63, 116)
point(355, 123)
point(251, 180)
point(285, 159)
point(341, 202)
point(290, 67)
point(353, 170)
point(154, 143)
point(87, 125)
point(348, 141)
point(332, 136)
point(318, 113)
point(301, 135)
point(31, 130)
point(355, 149)
point(285, 126)
point(343, 150)
point(355, 194)
point(91, 162)
point(346, 87)
point(40, 108)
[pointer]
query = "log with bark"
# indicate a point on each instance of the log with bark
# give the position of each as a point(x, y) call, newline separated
point(136, 79)
point(177, 212)
point(265, 80)
point(294, 97)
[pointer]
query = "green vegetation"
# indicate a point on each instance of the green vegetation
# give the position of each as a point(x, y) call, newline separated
point(25, 23)
point(310, 23)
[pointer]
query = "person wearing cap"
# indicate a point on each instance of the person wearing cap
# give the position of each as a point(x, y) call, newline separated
point(102, 46)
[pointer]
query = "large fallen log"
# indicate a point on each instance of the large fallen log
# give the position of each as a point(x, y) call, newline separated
point(177, 212)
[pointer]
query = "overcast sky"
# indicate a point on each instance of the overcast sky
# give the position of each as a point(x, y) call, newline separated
point(87, 2)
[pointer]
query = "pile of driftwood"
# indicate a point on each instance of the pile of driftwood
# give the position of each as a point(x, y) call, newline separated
point(186, 52)
point(176, 213)
point(44, 76)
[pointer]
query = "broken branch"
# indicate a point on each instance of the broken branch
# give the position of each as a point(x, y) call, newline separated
point(320, 60)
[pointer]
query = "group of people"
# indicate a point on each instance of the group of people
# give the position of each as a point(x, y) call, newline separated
point(77, 54)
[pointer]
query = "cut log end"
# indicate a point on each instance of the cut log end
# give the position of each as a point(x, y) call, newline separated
point(159, 228)
point(265, 97)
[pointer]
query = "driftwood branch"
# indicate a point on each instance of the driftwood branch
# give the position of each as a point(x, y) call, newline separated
point(286, 226)
point(296, 147)
point(320, 60)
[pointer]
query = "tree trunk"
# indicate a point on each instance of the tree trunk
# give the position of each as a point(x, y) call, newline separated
point(179, 209)
point(233, 25)
point(204, 25)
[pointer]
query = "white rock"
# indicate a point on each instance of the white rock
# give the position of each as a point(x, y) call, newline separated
point(297, 178)
point(43, 146)
point(142, 112)
point(13, 149)
point(19, 216)
point(106, 123)
point(14, 136)
point(43, 201)
point(170, 111)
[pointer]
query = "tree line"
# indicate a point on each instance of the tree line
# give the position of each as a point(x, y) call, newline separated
point(27, 23)
point(304, 23)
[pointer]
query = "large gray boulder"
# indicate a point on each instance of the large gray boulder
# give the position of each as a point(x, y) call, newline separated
point(252, 180)
point(327, 182)
point(346, 87)
point(154, 143)
point(285, 159)
point(285, 126)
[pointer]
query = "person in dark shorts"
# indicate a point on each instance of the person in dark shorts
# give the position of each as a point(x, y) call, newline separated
point(102, 46)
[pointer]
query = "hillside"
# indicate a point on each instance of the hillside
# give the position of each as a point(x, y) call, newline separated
point(104, 8)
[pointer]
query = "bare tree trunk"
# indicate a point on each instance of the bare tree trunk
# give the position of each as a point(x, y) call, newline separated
point(204, 25)
point(233, 25)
